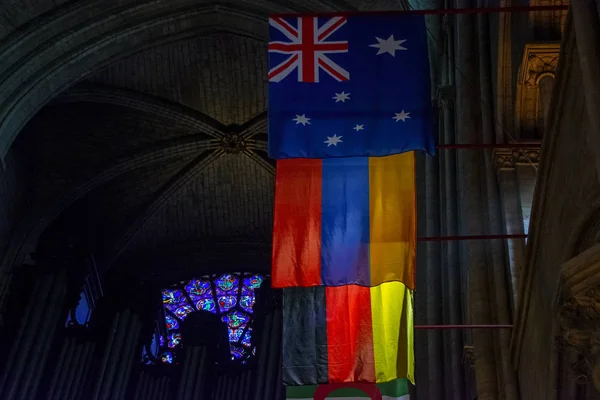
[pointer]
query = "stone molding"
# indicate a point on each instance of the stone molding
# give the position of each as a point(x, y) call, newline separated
point(507, 159)
point(469, 356)
point(539, 59)
point(578, 313)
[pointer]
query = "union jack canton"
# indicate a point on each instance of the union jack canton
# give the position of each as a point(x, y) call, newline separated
point(307, 49)
point(348, 85)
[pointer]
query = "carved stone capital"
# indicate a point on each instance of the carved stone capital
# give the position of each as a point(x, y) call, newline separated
point(508, 159)
point(579, 319)
point(578, 313)
point(469, 356)
point(539, 59)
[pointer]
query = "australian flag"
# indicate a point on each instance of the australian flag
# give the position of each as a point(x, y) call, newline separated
point(349, 85)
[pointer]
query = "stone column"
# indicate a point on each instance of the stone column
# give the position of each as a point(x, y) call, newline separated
point(513, 224)
point(268, 384)
point(452, 271)
point(545, 86)
point(153, 385)
point(587, 33)
point(30, 347)
point(194, 374)
point(118, 356)
point(73, 367)
point(472, 200)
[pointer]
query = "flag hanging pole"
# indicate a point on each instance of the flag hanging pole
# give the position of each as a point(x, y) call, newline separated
point(440, 11)
point(489, 146)
point(463, 326)
point(470, 237)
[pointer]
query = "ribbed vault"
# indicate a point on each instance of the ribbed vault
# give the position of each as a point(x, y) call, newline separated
point(157, 107)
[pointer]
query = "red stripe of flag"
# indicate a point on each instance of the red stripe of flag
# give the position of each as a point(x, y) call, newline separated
point(333, 27)
point(284, 66)
point(295, 204)
point(350, 354)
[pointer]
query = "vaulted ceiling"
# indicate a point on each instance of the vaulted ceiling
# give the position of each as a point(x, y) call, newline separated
point(144, 129)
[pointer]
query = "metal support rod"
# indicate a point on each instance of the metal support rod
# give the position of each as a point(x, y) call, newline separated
point(490, 146)
point(442, 11)
point(463, 326)
point(470, 237)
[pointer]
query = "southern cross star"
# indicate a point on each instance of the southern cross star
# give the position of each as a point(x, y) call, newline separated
point(301, 119)
point(341, 97)
point(389, 45)
point(333, 140)
point(401, 116)
point(359, 128)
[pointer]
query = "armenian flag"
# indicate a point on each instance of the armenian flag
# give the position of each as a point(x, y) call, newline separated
point(341, 221)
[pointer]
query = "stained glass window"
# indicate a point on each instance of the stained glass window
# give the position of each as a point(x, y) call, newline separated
point(231, 296)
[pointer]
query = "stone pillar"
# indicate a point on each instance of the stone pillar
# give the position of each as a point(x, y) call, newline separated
point(118, 356)
point(268, 384)
point(153, 385)
point(545, 86)
point(194, 374)
point(29, 350)
point(452, 272)
point(73, 367)
point(472, 200)
point(513, 224)
point(587, 33)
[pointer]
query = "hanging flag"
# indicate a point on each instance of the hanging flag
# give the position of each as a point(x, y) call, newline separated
point(347, 334)
point(355, 85)
point(343, 221)
point(393, 390)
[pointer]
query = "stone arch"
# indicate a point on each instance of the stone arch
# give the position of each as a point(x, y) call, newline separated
point(25, 236)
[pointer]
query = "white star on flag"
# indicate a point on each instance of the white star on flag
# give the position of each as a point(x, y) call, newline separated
point(359, 128)
point(389, 45)
point(333, 140)
point(401, 116)
point(301, 119)
point(341, 97)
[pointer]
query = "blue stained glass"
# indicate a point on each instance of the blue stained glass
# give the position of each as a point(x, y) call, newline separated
point(226, 303)
point(171, 322)
point(253, 282)
point(199, 288)
point(246, 291)
point(246, 340)
point(247, 302)
point(226, 283)
point(235, 334)
point(172, 296)
point(235, 319)
point(206, 305)
point(237, 352)
point(167, 357)
point(223, 300)
point(174, 340)
point(182, 312)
